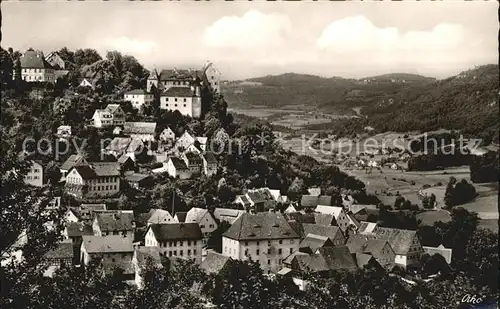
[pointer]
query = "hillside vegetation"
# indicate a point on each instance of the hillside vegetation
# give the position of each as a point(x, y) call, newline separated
point(392, 102)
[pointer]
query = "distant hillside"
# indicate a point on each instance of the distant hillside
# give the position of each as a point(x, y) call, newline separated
point(400, 77)
point(467, 102)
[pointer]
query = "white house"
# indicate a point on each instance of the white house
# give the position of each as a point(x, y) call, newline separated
point(177, 168)
point(96, 180)
point(34, 177)
point(185, 140)
point(138, 98)
point(342, 219)
point(34, 67)
point(167, 134)
point(183, 99)
point(264, 237)
point(176, 240)
point(116, 251)
point(204, 219)
point(114, 222)
point(160, 216)
point(112, 115)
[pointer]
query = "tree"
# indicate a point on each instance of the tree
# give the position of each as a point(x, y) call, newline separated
point(52, 173)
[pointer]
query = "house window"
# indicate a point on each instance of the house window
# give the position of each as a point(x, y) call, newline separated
point(175, 252)
point(246, 243)
point(268, 262)
point(268, 242)
point(113, 260)
point(291, 250)
point(169, 253)
point(202, 226)
point(280, 251)
point(194, 251)
point(189, 251)
point(175, 101)
point(268, 251)
point(189, 242)
point(181, 252)
point(211, 225)
point(258, 242)
point(280, 241)
point(258, 252)
point(184, 105)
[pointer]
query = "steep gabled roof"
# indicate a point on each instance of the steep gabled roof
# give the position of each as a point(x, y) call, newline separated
point(103, 169)
point(260, 226)
point(400, 240)
point(214, 262)
point(328, 258)
point(329, 210)
point(313, 242)
point(64, 250)
point(32, 59)
point(441, 250)
point(309, 200)
point(193, 158)
point(178, 163)
point(176, 231)
point(112, 108)
point(196, 215)
point(325, 219)
point(328, 231)
point(159, 216)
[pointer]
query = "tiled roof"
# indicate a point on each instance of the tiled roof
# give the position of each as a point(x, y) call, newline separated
point(72, 161)
point(325, 219)
point(193, 158)
point(107, 244)
point(76, 229)
point(366, 227)
point(328, 258)
point(300, 217)
point(85, 171)
point(325, 200)
point(176, 231)
point(103, 169)
point(355, 208)
point(112, 108)
point(178, 92)
point(110, 221)
point(214, 262)
point(34, 60)
point(400, 240)
point(328, 231)
point(63, 250)
point(137, 91)
point(179, 163)
point(139, 128)
point(179, 74)
point(260, 226)
point(159, 216)
point(309, 201)
point(441, 250)
point(227, 214)
point(196, 215)
point(314, 242)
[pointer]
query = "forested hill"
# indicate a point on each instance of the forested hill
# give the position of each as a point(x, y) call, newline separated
point(467, 102)
point(400, 77)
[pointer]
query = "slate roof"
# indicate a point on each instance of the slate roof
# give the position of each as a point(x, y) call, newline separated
point(400, 240)
point(32, 59)
point(328, 258)
point(159, 216)
point(314, 242)
point(214, 262)
point(176, 231)
point(441, 250)
point(72, 161)
point(110, 221)
point(179, 163)
point(258, 226)
point(178, 92)
point(327, 231)
point(108, 244)
point(139, 128)
point(137, 91)
point(64, 250)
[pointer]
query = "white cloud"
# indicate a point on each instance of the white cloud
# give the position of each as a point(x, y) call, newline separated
point(357, 34)
point(254, 29)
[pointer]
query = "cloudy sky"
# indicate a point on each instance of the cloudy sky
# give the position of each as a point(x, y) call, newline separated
point(246, 39)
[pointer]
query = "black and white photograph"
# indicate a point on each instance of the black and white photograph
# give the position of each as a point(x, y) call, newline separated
point(249, 154)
